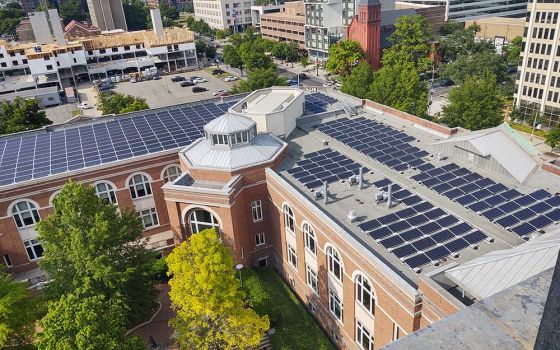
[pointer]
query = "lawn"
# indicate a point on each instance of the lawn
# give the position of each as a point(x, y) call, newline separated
point(295, 328)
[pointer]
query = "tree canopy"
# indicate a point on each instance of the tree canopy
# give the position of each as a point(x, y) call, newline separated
point(232, 58)
point(475, 104)
point(116, 103)
point(21, 115)
point(203, 49)
point(10, 16)
point(552, 138)
point(91, 249)
point(343, 55)
point(462, 41)
point(71, 10)
point(359, 81)
point(259, 79)
point(475, 65)
point(137, 14)
point(199, 26)
point(211, 311)
point(169, 14)
point(513, 50)
point(411, 43)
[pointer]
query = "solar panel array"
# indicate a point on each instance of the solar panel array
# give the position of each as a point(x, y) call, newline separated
point(325, 165)
point(507, 207)
point(318, 102)
point(37, 155)
point(378, 141)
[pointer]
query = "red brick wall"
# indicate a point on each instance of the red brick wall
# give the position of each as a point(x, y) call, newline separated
point(366, 29)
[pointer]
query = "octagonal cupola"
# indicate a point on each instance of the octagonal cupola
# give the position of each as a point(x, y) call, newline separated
point(230, 130)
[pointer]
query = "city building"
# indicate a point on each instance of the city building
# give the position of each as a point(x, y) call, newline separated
point(107, 14)
point(285, 26)
point(377, 219)
point(224, 14)
point(24, 31)
point(258, 10)
point(499, 29)
point(538, 79)
point(77, 29)
point(365, 28)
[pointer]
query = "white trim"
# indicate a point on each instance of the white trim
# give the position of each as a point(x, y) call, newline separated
point(161, 174)
point(51, 198)
point(191, 207)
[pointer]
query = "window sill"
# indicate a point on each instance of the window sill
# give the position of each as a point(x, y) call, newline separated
point(150, 228)
point(144, 197)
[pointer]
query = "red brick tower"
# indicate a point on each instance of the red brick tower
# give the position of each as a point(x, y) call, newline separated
point(366, 29)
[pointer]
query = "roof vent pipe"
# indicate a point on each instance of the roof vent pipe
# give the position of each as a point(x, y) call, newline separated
point(361, 178)
point(389, 195)
point(325, 192)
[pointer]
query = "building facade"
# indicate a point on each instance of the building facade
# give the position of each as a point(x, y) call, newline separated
point(258, 10)
point(288, 26)
point(538, 81)
point(107, 14)
point(366, 29)
point(224, 14)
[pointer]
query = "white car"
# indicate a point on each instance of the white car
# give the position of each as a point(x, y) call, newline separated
point(231, 78)
point(197, 80)
point(84, 105)
point(219, 92)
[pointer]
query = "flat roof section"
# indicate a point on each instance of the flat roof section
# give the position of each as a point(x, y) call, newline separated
point(270, 100)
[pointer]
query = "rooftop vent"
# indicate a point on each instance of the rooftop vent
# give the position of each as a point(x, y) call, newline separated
point(352, 215)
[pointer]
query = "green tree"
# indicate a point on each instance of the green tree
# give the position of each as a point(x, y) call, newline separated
point(552, 138)
point(451, 27)
point(21, 115)
point(259, 79)
point(400, 87)
point(474, 105)
point(279, 50)
point(411, 43)
point(232, 57)
point(211, 311)
point(117, 103)
point(71, 9)
point(359, 81)
point(513, 50)
point(18, 313)
point(463, 42)
point(90, 245)
point(10, 16)
point(343, 55)
point(83, 322)
point(477, 64)
point(203, 49)
point(169, 14)
point(253, 59)
point(137, 14)
point(304, 61)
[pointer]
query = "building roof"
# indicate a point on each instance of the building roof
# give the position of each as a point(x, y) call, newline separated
point(493, 272)
point(367, 2)
point(228, 124)
point(86, 26)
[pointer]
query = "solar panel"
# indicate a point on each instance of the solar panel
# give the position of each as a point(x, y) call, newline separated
point(417, 261)
point(524, 229)
point(380, 233)
point(437, 253)
point(457, 245)
point(405, 250)
point(475, 237)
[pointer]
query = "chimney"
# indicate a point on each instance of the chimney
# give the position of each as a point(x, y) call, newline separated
point(56, 27)
point(389, 195)
point(326, 192)
point(156, 22)
point(361, 178)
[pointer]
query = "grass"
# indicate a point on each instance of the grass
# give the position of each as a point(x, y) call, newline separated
point(295, 327)
point(76, 113)
point(527, 129)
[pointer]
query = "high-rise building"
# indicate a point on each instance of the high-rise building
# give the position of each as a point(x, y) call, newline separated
point(285, 26)
point(224, 14)
point(107, 14)
point(538, 78)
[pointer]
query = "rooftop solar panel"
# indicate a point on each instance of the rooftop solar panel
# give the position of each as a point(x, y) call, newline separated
point(417, 261)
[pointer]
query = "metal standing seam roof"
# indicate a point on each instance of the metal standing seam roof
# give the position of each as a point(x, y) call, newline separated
point(501, 269)
point(229, 123)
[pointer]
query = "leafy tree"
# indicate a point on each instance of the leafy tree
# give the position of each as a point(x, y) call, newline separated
point(204, 49)
point(18, 313)
point(71, 9)
point(476, 64)
point(137, 14)
point(513, 50)
point(411, 43)
point(222, 34)
point(304, 61)
point(400, 87)
point(211, 312)
point(169, 14)
point(85, 322)
point(259, 79)
point(552, 138)
point(10, 16)
point(462, 42)
point(359, 81)
point(451, 27)
point(117, 103)
point(90, 246)
point(474, 105)
point(232, 57)
point(253, 59)
point(343, 55)
point(279, 50)
point(292, 52)
point(21, 115)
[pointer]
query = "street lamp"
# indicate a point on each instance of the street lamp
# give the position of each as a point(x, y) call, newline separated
point(238, 267)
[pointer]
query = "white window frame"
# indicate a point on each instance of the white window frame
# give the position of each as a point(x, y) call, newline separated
point(170, 177)
point(310, 239)
point(30, 211)
point(336, 306)
point(365, 295)
point(362, 333)
point(135, 186)
point(30, 245)
point(260, 239)
point(151, 214)
point(292, 256)
point(8, 261)
point(334, 262)
point(289, 219)
point(256, 210)
point(396, 332)
point(109, 194)
point(311, 279)
point(213, 221)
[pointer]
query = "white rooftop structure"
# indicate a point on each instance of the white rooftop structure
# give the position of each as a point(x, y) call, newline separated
point(228, 123)
point(501, 269)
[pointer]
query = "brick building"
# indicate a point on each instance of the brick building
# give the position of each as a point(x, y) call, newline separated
point(345, 198)
point(285, 26)
point(365, 28)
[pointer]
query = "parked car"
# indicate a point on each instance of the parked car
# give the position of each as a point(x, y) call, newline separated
point(84, 105)
point(220, 93)
point(302, 76)
point(231, 78)
point(198, 80)
point(178, 78)
point(133, 80)
point(217, 72)
point(446, 82)
point(199, 89)
point(187, 83)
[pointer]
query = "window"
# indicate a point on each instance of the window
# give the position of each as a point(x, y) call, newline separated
point(289, 221)
point(256, 210)
point(33, 248)
point(139, 186)
point(8, 261)
point(105, 190)
point(25, 214)
point(335, 265)
point(396, 332)
point(364, 294)
point(149, 217)
point(201, 220)
point(335, 305)
point(309, 239)
point(171, 173)
point(292, 256)
point(311, 278)
point(259, 239)
point(363, 337)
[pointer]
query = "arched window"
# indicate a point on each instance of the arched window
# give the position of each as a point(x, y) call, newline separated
point(200, 220)
point(289, 220)
point(364, 294)
point(171, 173)
point(106, 191)
point(335, 263)
point(25, 214)
point(309, 237)
point(139, 186)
